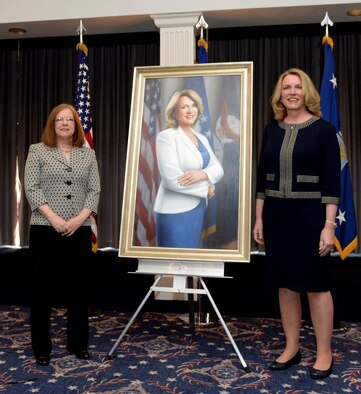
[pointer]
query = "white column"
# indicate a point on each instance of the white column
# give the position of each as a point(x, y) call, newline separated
point(177, 37)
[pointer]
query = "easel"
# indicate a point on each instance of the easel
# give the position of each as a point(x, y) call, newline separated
point(180, 272)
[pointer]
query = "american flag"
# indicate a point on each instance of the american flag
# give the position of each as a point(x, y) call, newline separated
point(148, 169)
point(346, 231)
point(83, 107)
point(82, 100)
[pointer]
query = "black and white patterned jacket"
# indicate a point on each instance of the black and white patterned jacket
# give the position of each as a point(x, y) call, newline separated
point(68, 186)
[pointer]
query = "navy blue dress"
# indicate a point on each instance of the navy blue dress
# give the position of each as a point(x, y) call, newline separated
point(298, 174)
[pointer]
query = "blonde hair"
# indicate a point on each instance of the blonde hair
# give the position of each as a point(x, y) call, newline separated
point(49, 136)
point(171, 109)
point(310, 94)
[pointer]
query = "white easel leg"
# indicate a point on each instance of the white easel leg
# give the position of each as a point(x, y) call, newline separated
point(109, 355)
point(246, 368)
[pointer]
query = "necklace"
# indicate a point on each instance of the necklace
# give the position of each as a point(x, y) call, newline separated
point(65, 150)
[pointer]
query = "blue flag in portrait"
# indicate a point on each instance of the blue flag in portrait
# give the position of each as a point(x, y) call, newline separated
point(204, 127)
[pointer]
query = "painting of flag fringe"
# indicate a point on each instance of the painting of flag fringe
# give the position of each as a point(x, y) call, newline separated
point(225, 127)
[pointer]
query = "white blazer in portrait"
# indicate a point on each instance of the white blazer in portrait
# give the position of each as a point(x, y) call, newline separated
point(176, 154)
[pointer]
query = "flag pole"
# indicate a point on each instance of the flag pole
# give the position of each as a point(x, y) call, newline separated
point(83, 107)
point(202, 24)
point(202, 42)
point(80, 31)
point(346, 232)
point(81, 46)
point(328, 22)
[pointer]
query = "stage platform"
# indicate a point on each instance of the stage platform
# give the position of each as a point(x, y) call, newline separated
point(113, 287)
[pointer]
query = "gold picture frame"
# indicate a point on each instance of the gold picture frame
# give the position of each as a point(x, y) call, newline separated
point(227, 90)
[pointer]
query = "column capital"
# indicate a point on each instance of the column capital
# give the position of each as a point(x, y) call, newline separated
point(176, 20)
point(177, 37)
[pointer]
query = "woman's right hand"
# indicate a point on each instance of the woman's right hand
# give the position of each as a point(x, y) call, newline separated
point(58, 223)
point(258, 231)
point(192, 176)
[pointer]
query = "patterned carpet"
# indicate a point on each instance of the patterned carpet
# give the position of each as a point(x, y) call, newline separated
point(159, 354)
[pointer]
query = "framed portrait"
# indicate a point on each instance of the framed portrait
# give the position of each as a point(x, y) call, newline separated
point(187, 192)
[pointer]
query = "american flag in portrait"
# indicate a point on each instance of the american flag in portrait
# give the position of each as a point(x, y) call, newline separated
point(148, 179)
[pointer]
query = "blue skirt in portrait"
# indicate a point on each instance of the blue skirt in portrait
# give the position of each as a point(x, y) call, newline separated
point(181, 230)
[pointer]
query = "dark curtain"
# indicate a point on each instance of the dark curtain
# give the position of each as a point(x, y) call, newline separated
point(8, 144)
point(275, 49)
point(35, 75)
point(45, 71)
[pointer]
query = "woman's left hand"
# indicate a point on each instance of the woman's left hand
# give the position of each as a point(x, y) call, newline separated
point(71, 226)
point(211, 191)
point(327, 241)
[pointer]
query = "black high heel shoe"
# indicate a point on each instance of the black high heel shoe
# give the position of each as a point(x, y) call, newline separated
point(276, 366)
point(81, 354)
point(318, 374)
point(42, 360)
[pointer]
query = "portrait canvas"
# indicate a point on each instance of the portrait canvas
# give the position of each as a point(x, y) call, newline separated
point(224, 127)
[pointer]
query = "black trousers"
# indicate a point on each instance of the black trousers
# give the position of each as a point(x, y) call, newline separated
point(60, 275)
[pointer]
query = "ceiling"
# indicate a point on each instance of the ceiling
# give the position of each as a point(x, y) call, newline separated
point(215, 19)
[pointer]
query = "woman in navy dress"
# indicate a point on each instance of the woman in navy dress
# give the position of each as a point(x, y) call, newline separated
point(189, 171)
point(298, 184)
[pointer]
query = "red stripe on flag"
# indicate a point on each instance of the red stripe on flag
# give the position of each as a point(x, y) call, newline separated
point(148, 169)
point(89, 139)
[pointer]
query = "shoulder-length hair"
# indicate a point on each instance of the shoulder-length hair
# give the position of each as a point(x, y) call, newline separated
point(310, 95)
point(171, 109)
point(49, 137)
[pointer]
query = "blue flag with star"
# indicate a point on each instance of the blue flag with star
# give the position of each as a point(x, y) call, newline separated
point(346, 231)
point(204, 126)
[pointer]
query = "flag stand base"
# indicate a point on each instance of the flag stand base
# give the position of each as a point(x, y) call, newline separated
point(204, 319)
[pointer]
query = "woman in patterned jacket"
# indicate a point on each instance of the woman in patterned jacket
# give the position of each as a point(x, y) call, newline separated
point(62, 187)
